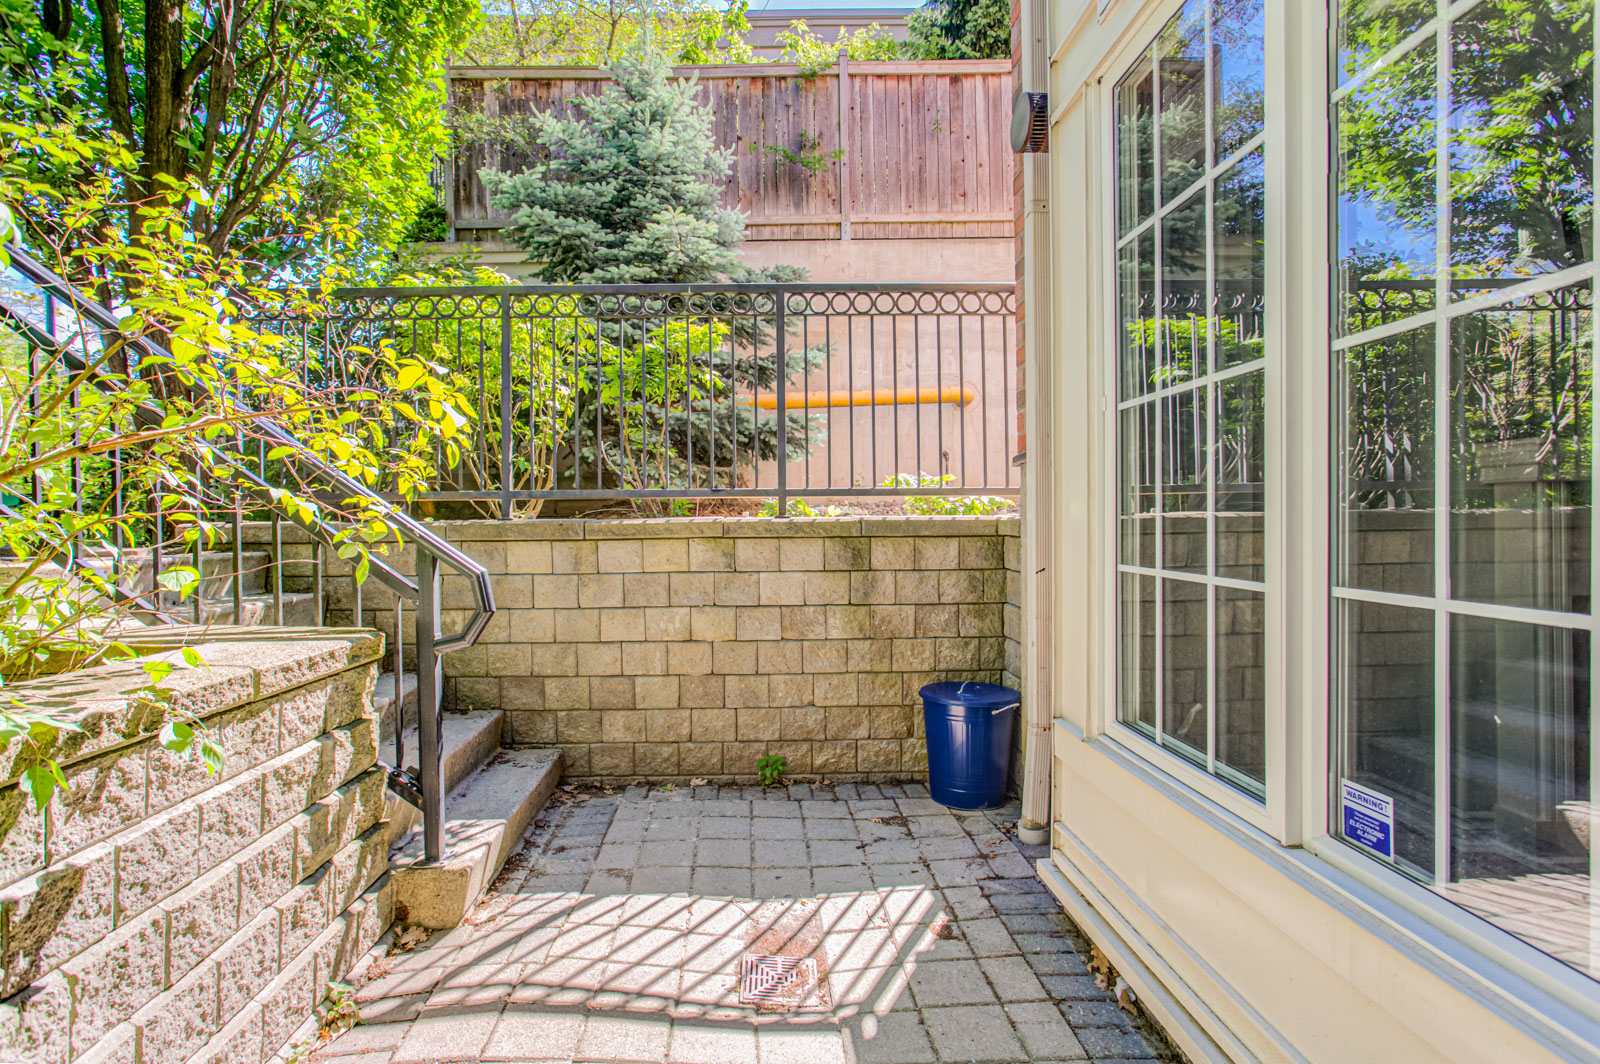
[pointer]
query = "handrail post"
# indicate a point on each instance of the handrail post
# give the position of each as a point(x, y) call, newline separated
point(783, 407)
point(505, 407)
point(430, 719)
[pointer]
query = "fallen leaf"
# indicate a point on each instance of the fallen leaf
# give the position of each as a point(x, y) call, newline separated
point(699, 781)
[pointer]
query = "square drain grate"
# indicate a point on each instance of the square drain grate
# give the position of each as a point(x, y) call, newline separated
point(780, 983)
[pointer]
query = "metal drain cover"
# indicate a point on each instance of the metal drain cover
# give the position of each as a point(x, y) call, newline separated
point(780, 982)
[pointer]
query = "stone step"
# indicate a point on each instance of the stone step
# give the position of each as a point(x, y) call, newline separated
point(383, 701)
point(470, 739)
point(485, 819)
point(299, 610)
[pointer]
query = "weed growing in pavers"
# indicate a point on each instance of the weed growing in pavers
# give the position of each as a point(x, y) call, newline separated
point(770, 770)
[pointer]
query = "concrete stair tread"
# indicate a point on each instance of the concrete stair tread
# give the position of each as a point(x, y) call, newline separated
point(469, 740)
point(485, 819)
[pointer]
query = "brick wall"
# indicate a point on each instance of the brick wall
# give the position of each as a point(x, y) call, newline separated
point(160, 914)
point(694, 646)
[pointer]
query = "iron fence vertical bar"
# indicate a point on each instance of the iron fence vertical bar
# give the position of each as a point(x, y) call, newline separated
point(430, 719)
point(505, 407)
point(780, 356)
point(237, 531)
point(399, 682)
point(199, 554)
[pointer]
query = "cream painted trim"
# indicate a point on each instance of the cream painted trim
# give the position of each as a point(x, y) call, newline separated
point(1158, 988)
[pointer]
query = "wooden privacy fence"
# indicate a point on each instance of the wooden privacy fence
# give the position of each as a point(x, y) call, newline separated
point(899, 149)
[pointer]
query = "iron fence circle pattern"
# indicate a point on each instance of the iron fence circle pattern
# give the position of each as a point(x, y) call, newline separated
point(901, 302)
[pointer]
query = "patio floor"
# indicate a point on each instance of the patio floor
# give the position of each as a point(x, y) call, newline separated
point(617, 934)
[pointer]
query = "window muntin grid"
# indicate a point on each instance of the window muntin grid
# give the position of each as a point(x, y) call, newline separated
point(1191, 400)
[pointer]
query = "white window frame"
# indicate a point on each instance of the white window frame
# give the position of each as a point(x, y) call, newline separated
point(1272, 815)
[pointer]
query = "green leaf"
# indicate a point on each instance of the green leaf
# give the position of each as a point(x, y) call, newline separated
point(176, 736)
point(156, 670)
point(40, 783)
point(212, 755)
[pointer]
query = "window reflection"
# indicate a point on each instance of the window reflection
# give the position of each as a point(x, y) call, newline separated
point(1136, 161)
point(1181, 86)
point(1239, 73)
point(1520, 494)
point(1242, 682)
point(1239, 258)
point(1138, 480)
point(1184, 638)
point(1369, 28)
point(1137, 654)
point(1136, 298)
point(1183, 481)
point(1241, 475)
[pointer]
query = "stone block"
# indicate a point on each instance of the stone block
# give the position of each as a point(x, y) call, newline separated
point(555, 592)
point(622, 726)
point(756, 555)
point(783, 589)
point(294, 781)
point(872, 588)
point(622, 625)
point(576, 759)
point(981, 619)
point(554, 659)
point(838, 689)
point(796, 755)
point(525, 626)
point(611, 759)
point(645, 589)
point(600, 590)
point(176, 1025)
point(611, 693)
point(804, 722)
point(305, 910)
point(566, 692)
point(103, 796)
point(877, 755)
point(833, 756)
point(468, 661)
point(756, 724)
point(869, 655)
point(510, 659)
point(713, 623)
point(711, 555)
point(790, 690)
point(667, 725)
point(734, 658)
point(599, 659)
point(891, 722)
point(668, 623)
point(665, 555)
point(849, 722)
point(700, 759)
point(938, 553)
point(643, 659)
point(823, 589)
point(36, 1028)
point(200, 918)
point(852, 553)
point(156, 858)
point(959, 654)
point(357, 865)
point(521, 693)
point(805, 622)
point(690, 589)
point(981, 553)
point(230, 814)
point(531, 728)
point(934, 621)
point(778, 656)
point(916, 587)
point(114, 978)
point(238, 1042)
point(738, 589)
point(528, 557)
point(744, 691)
point(266, 870)
point(578, 556)
point(513, 592)
point(688, 659)
point(619, 556)
point(655, 760)
point(849, 622)
point(878, 688)
point(701, 692)
point(53, 915)
point(712, 725)
point(915, 655)
point(823, 655)
point(656, 692)
point(740, 758)
point(961, 586)
point(758, 622)
point(289, 999)
point(800, 554)
point(577, 626)
point(472, 692)
point(893, 553)
point(914, 755)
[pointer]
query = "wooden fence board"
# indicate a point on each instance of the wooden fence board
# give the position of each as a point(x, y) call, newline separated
point(924, 143)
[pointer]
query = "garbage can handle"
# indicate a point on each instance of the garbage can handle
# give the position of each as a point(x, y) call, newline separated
point(1002, 709)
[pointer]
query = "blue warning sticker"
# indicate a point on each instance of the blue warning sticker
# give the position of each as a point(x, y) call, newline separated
point(1367, 818)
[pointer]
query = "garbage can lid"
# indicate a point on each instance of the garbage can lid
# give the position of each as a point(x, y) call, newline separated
point(971, 693)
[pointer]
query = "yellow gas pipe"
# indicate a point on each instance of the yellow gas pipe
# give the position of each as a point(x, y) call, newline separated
point(959, 394)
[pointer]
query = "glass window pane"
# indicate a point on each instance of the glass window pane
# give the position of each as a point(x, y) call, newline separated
point(1238, 75)
point(1241, 476)
point(1183, 481)
point(1137, 654)
point(1384, 671)
point(1387, 195)
point(1519, 793)
point(1136, 515)
point(1520, 493)
point(1136, 312)
point(1181, 85)
point(1241, 682)
point(1183, 291)
point(1136, 159)
point(1184, 640)
point(1370, 28)
point(1239, 258)
point(1521, 140)
point(1383, 533)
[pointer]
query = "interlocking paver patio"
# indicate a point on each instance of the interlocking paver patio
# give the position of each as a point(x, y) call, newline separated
point(616, 931)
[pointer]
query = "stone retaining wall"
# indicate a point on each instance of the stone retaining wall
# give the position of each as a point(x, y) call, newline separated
point(692, 647)
point(157, 914)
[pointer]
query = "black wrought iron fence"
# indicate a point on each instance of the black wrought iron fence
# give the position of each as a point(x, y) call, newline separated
point(703, 391)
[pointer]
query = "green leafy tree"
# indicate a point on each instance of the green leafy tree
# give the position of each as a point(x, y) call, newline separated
point(814, 55)
point(331, 107)
point(590, 33)
point(960, 29)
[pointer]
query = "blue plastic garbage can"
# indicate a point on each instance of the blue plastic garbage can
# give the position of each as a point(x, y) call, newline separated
point(969, 729)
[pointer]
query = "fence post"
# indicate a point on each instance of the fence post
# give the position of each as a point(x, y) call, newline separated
point(780, 354)
point(505, 407)
point(842, 105)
